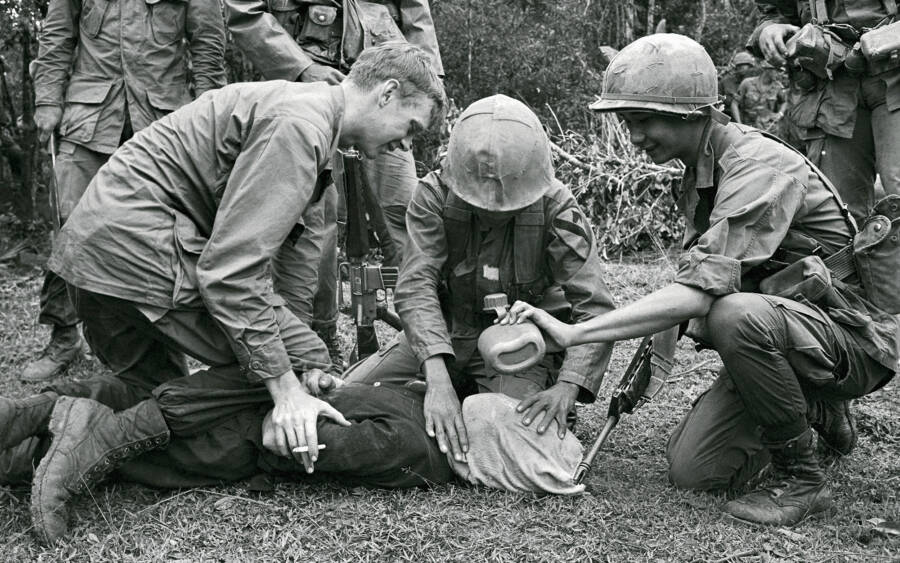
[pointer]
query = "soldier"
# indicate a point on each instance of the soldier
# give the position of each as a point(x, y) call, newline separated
point(741, 66)
point(104, 71)
point(761, 100)
point(305, 41)
point(849, 119)
point(791, 359)
point(494, 220)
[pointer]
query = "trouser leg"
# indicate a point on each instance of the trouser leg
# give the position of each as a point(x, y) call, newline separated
point(717, 444)
point(295, 268)
point(392, 176)
point(849, 163)
point(325, 303)
point(394, 363)
point(886, 137)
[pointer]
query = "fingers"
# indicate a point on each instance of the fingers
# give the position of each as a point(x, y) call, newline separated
point(526, 403)
point(518, 313)
point(462, 435)
point(334, 414)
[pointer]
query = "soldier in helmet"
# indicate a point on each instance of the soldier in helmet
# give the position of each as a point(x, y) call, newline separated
point(761, 99)
point(752, 206)
point(741, 67)
point(494, 220)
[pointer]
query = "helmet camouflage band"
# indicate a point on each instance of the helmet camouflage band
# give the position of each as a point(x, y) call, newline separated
point(498, 158)
point(663, 72)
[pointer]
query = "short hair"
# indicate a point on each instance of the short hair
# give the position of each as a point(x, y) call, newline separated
point(407, 64)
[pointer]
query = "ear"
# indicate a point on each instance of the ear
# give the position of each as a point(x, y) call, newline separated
point(389, 90)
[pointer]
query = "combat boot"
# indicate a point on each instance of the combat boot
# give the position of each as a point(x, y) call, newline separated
point(89, 441)
point(835, 425)
point(18, 462)
point(63, 349)
point(23, 418)
point(803, 492)
point(330, 337)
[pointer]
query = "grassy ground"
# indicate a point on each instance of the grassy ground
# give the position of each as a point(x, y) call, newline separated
point(630, 513)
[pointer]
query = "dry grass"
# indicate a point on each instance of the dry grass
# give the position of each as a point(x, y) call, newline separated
point(631, 512)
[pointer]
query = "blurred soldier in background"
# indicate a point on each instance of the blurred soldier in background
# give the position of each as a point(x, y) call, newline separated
point(317, 40)
point(741, 66)
point(104, 71)
point(761, 100)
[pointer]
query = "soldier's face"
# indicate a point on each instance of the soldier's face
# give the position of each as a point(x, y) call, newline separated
point(395, 122)
point(662, 136)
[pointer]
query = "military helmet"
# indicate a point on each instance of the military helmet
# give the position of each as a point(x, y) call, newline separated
point(743, 58)
point(663, 72)
point(498, 158)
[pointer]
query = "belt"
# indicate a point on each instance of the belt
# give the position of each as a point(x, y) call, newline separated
point(841, 264)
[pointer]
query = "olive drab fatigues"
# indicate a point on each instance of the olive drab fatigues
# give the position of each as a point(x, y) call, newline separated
point(170, 246)
point(283, 38)
point(453, 261)
point(759, 103)
point(850, 125)
point(748, 201)
point(114, 67)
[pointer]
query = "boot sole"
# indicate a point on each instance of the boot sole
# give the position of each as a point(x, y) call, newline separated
point(764, 526)
point(37, 484)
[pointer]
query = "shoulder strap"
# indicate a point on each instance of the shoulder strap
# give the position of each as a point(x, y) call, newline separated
point(819, 11)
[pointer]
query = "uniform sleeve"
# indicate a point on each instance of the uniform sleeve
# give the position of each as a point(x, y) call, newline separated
point(206, 36)
point(416, 296)
point(264, 41)
point(573, 257)
point(418, 28)
point(56, 48)
point(754, 207)
point(270, 185)
point(771, 12)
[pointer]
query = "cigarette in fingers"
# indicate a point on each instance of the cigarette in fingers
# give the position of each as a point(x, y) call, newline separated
point(305, 449)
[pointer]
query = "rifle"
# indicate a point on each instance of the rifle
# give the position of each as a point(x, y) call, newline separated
point(368, 282)
point(645, 376)
point(52, 187)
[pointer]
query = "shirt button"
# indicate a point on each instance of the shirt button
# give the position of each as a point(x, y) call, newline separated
point(321, 17)
point(376, 384)
point(255, 365)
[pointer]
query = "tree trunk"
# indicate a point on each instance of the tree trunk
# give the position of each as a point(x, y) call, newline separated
point(628, 22)
point(28, 134)
point(651, 7)
point(701, 21)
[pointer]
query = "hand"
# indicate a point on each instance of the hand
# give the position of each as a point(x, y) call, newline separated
point(46, 118)
point(561, 335)
point(294, 418)
point(443, 415)
point(771, 41)
point(321, 73)
point(556, 403)
point(316, 382)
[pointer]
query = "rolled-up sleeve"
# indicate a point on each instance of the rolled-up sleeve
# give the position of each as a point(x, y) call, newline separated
point(418, 28)
point(206, 34)
point(575, 262)
point(264, 41)
point(755, 205)
point(270, 185)
point(771, 12)
point(416, 297)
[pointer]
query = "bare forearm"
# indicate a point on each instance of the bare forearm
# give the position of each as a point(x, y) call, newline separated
point(653, 313)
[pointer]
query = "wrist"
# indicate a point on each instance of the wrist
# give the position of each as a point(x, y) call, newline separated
point(285, 384)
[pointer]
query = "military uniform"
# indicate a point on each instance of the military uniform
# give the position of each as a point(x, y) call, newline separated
point(453, 261)
point(776, 352)
point(760, 103)
point(851, 124)
point(170, 246)
point(115, 67)
point(283, 38)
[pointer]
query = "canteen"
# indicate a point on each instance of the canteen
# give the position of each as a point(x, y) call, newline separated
point(509, 349)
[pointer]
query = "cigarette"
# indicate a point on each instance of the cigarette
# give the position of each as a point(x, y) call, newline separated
point(305, 449)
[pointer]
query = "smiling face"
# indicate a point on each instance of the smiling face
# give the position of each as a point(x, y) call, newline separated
point(394, 121)
point(662, 136)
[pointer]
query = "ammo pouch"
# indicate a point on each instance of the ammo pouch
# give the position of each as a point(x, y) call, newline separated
point(876, 250)
point(367, 24)
point(817, 50)
point(881, 48)
point(806, 280)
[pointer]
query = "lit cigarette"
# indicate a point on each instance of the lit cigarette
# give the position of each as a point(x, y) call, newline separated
point(305, 449)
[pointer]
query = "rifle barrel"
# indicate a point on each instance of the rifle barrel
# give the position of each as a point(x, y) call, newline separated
point(585, 465)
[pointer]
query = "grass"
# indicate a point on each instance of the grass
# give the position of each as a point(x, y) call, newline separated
point(630, 513)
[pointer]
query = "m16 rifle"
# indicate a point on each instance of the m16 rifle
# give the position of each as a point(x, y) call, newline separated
point(648, 371)
point(368, 282)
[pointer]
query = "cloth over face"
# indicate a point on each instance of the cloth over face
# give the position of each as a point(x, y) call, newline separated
point(506, 454)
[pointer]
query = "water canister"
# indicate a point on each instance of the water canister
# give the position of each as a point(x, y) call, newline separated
point(509, 349)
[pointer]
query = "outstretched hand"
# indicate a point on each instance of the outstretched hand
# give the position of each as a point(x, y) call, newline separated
point(560, 334)
point(772, 42)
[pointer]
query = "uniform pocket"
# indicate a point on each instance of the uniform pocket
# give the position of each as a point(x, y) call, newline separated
point(84, 103)
point(167, 19)
point(92, 14)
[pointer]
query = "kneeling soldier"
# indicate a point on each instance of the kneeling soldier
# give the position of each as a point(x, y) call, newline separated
point(791, 360)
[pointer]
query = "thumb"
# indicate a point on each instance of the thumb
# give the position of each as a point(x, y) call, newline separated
point(326, 382)
point(335, 415)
